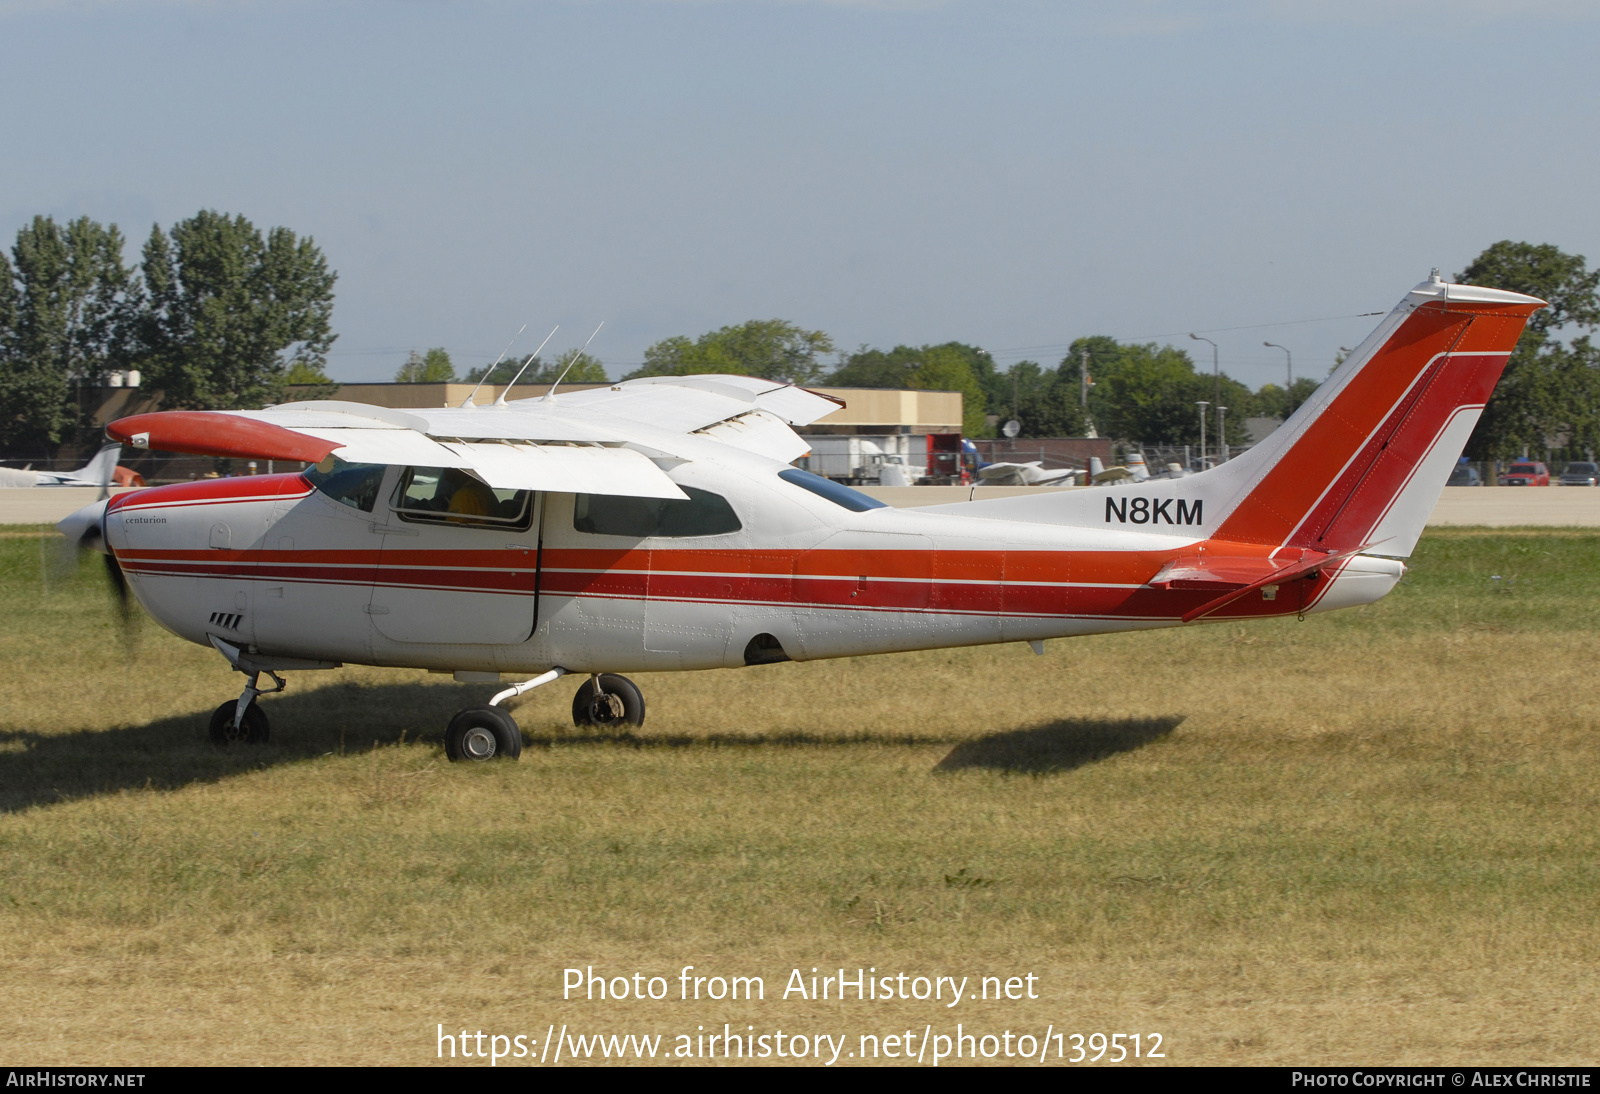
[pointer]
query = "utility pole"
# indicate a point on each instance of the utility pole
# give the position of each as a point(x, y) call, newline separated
point(1289, 382)
point(1222, 434)
point(1202, 404)
point(1083, 378)
point(1216, 370)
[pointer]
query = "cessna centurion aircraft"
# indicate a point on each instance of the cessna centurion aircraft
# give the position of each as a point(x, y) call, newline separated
point(657, 524)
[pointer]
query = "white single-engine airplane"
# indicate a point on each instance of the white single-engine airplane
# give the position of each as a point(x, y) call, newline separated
point(657, 524)
point(100, 471)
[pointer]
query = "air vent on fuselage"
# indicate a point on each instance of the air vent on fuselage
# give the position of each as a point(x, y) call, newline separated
point(227, 620)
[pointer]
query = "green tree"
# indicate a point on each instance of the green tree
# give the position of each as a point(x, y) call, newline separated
point(952, 366)
point(433, 367)
point(1148, 393)
point(303, 372)
point(770, 348)
point(586, 369)
point(1044, 401)
point(1272, 401)
point(66, 304)
point(230, 313)
point(1549, 388)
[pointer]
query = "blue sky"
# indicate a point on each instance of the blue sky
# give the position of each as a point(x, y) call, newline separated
point(1011, 173)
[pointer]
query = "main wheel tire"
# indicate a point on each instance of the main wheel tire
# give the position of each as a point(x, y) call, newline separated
point(588, 710)
point(253, 730)
point(483, 733)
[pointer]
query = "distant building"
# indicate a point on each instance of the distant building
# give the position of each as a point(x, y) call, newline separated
point(1257, 429)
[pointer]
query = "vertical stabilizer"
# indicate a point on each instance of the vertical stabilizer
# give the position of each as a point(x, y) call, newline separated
point(1359, 465)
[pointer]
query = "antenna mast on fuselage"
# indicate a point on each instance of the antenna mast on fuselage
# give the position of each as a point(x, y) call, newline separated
point(550, 395)
point(501, 401)
point(494, 366)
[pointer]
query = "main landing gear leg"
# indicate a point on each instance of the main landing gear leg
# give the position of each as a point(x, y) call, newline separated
point(484, 733)
point(606, 699)
point(242, 719)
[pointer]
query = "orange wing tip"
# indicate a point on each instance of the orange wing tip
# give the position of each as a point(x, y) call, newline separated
point(213, 433)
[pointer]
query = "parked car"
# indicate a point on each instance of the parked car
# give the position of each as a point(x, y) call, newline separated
point(1581, 473)
point(1526, 473)
point(1464, 475)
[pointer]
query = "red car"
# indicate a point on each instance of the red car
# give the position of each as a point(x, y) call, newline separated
point(1526, 473)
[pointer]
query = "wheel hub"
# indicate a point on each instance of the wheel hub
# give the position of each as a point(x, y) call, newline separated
point(606, 708)
point(478, 744)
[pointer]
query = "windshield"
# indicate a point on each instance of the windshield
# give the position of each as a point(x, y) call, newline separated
point(1580, 468)
point(1524, 469)
point(354, 484)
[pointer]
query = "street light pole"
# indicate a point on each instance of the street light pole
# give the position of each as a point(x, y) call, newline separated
point(1216, 370)
point(1290, 382)
point(1222, 434)
point(1202, 404)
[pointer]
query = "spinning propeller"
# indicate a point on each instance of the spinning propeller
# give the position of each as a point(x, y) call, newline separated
point(85, 531)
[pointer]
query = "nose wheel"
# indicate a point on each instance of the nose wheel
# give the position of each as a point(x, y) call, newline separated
point(241, 721)
point(606, 699)
point(227, 727)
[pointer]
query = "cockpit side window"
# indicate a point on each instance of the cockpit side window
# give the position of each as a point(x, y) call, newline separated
point(703, 514)
point(448, 495)
point(352, 484)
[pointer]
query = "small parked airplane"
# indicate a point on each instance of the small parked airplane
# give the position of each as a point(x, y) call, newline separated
point(100, 471)
point(657, 524)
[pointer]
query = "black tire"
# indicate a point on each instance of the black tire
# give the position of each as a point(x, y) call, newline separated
point(587, 712)
point(480, 734)
point(253, 730)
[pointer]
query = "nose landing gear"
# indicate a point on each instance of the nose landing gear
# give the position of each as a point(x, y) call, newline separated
point(241, 720)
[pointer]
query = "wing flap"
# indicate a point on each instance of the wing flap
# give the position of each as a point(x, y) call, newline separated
point(398, 446)
point(760, 432)
point(568, 469)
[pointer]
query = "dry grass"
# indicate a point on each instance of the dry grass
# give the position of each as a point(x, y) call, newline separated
point(1365, 838)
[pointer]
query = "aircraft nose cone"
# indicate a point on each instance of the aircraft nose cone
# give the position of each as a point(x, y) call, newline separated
point(86, 527)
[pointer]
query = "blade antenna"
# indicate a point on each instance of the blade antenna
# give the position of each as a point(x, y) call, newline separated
point(502, 400)
point(496, 364)
point(550, 395)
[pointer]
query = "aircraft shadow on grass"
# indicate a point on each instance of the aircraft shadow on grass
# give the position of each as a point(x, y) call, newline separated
point(1058, 746)
point(173, 752)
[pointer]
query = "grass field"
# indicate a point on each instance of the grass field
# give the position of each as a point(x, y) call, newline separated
point(1366, 837)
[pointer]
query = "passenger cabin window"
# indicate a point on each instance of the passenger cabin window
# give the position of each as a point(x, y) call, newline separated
point(838, 493)
point(352, 484)
point(704, 514)
point(448, 495)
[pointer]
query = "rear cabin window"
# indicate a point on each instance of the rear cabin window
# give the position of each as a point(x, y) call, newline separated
point(448, 495)
point(704, 514)
point(836, 492)
point(352, 484)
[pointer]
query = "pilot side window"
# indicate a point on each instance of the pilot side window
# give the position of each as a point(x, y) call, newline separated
point(353, 484)
point(448, 495)
point(704, 514)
